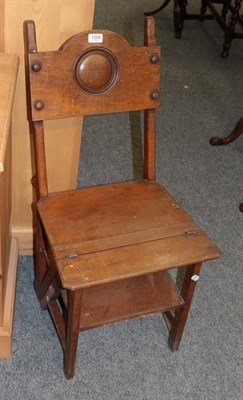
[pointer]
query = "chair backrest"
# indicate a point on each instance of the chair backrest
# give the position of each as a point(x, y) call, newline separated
point(93, 72)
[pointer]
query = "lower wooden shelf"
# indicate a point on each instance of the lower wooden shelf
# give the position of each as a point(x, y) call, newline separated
point(131, 298)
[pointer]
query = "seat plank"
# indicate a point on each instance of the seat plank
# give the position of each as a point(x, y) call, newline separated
point(110, 216)
point(135, 260)
point(120, 231)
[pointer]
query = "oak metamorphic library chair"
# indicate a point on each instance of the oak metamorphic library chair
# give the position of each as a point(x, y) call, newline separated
point(103, 253)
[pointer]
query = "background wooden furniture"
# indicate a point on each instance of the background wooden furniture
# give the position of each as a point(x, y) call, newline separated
point(228, 26)
point(8, 245)
point(56, 20)
point(237, 131)
point(103, 253)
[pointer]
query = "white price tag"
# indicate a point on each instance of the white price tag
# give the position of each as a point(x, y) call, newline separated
point(95, 37)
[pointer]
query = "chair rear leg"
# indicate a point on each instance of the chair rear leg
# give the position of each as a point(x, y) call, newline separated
point(40, 259)
point(74, 299)
point(178, 321)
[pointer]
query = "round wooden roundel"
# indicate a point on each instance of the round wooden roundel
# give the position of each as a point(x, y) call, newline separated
point(96, 70)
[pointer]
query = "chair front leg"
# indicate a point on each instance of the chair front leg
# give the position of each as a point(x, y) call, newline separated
point(74, 299)
point(179, 320)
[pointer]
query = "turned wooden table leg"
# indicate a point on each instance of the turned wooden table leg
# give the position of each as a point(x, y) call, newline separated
point(229, 34)
point(179, 16)
point(203, 7)
point(165, 4)
point(224, 9)
point(216, 141)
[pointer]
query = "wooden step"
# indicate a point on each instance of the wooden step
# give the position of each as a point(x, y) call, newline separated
point(131, 298)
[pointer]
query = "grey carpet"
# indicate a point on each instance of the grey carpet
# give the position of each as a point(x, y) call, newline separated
point(201, 97)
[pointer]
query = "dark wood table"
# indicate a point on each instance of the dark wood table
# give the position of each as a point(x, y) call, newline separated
point(237, 131)
point(229, 25)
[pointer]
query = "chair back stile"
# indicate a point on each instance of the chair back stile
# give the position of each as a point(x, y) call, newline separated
point(36, 127)
point(150, 115)
point(40, 157)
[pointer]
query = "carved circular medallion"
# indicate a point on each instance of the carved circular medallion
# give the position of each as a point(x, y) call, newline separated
point(96, 70)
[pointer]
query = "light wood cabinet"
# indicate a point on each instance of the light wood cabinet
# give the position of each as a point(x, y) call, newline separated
point(8, 245)
point(55, 22)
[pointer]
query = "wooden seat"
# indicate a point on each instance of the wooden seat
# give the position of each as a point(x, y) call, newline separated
point(103, 254)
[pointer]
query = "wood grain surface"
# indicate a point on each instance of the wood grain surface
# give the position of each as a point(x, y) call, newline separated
point(8, 246)
point(56, 21)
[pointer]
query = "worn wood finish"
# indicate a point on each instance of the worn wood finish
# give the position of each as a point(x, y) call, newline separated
point(119, 222)
point(8, 247)
point(103, 253)
point(140, 211)
point(123, 262)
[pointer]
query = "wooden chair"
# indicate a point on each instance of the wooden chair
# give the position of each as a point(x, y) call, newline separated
point(103, 253)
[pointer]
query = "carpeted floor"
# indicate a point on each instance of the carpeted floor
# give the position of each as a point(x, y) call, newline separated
point(202, 95)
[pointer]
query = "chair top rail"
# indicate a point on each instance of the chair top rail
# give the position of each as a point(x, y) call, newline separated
point(94, 72)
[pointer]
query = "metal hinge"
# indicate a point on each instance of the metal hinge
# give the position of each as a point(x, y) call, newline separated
point(72, 255)
point(190, 233)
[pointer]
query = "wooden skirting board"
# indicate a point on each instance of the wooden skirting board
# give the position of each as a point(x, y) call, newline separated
point(7, 329)
point(24, 237)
